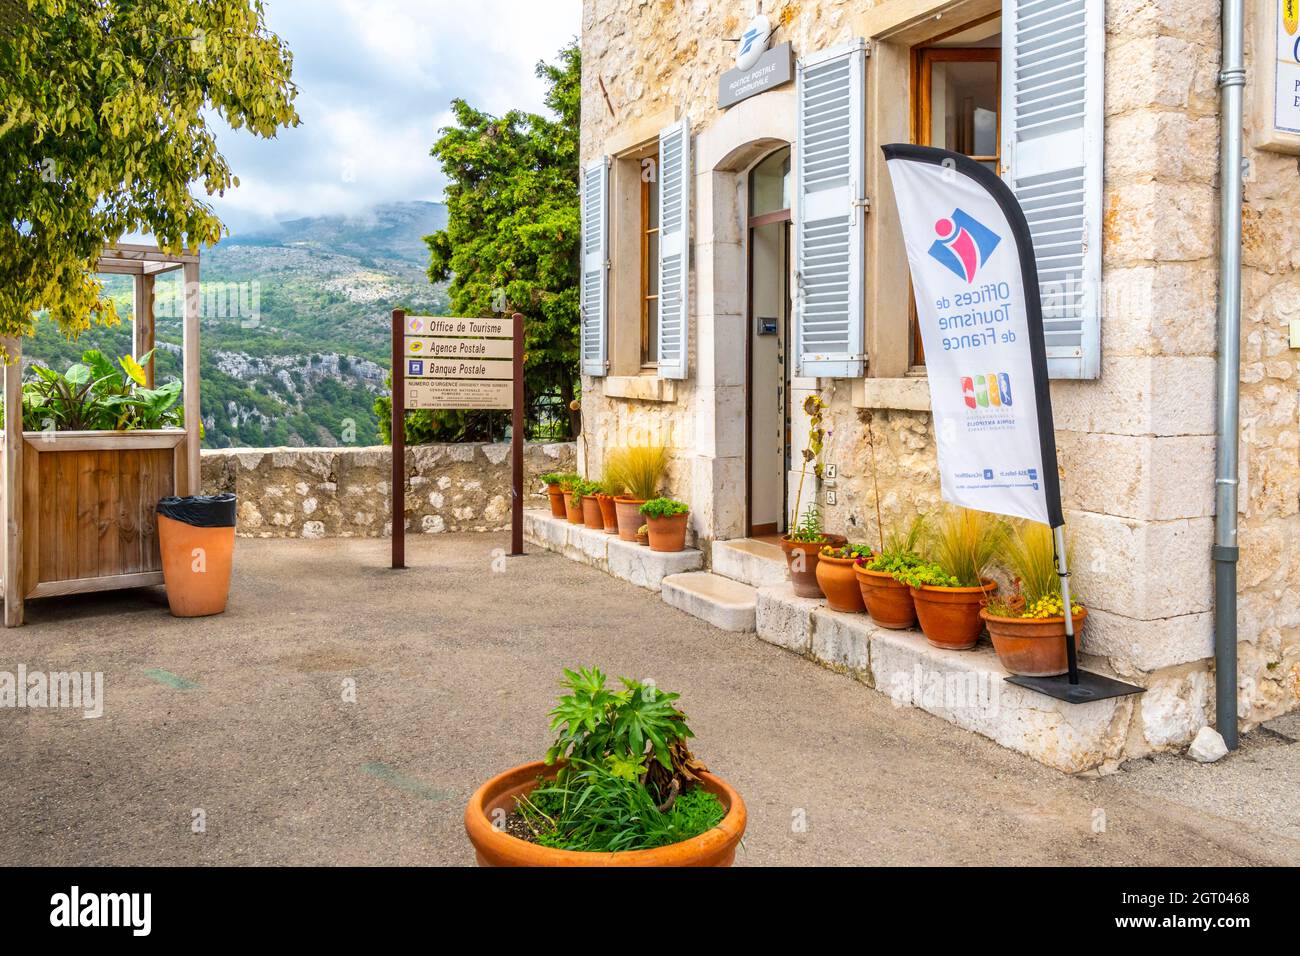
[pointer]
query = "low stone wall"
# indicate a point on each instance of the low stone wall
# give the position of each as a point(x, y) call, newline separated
point(345, 492)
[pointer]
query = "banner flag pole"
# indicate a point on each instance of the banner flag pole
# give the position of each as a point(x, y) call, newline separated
point(1062, 566)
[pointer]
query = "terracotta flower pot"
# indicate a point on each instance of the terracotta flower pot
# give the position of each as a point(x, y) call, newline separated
point(888, 601)
point(836, 578)
point(629, 517)
point(643, 539)
point(572, 512)
point(608, 513)
point(950, 617)
point(557, 501)
point(801, 559)
point(493, 847)
point(1033, 647)
point(591, 513)
point(667, 534)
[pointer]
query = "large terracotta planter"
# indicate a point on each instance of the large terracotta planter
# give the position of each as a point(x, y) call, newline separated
point(889, 601)
point(667, 534)
point(950, 617)
point(608, 513)
point(837, 580)
point(572, 512)
point(801, 559)
point(591, 516)
point(628, 512)
point(1032, 647)
point(493, 847)
point(557, 497)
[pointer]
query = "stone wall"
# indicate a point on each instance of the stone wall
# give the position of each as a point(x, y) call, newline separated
point(1137, 445)
point(1270, 443)
point(345, 492)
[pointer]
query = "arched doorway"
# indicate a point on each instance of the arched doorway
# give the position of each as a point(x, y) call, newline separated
point(768, 310)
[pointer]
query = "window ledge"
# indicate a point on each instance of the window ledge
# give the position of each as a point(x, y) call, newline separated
point(641, 388)
point(911, 394)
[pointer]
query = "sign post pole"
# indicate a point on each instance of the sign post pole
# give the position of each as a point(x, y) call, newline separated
point(399, 440)
point(517, 444)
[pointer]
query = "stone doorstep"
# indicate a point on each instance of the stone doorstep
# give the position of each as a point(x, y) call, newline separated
point(625, 560)
point(966, 688)
point(756, 563)
point(720, 601)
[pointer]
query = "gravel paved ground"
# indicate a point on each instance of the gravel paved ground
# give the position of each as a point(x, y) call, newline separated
point(243, 718)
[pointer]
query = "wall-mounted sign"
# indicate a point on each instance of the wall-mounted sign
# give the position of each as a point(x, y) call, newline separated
point(1276, 75)
point(773, 69)
point(753, 42)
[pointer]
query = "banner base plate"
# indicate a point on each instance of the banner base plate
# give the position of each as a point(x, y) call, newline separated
point(1090, 687)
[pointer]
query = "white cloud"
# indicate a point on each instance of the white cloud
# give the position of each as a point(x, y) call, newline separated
point(376, 78)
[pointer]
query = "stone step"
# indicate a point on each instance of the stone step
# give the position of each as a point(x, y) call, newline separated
point(720, 601)
point(966, 688)
point(759, 564)
point(625, 560)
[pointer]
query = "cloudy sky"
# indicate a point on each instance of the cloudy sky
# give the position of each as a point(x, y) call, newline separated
point(375, 78)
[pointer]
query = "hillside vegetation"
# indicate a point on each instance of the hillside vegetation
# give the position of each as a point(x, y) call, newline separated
point(295, 325)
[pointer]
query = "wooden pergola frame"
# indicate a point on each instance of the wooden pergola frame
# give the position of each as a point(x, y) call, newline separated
point(28, 498)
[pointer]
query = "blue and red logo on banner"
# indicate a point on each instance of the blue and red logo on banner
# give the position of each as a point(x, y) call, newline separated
point(964, 244)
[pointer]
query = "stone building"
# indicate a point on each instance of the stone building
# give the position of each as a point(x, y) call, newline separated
point(743, 251)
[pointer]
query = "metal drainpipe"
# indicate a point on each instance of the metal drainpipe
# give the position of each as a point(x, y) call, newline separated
point(1232, 79)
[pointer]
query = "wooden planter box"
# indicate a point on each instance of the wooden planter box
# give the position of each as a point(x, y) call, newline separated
point(79, 508)
point(88, 508)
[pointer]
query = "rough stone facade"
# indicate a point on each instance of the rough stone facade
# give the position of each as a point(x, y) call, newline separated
point(345, 492)
point(1136, 445)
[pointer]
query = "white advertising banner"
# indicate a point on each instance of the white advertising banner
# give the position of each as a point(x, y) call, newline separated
point(980, 318)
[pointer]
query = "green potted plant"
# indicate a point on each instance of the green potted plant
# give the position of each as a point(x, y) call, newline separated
point(619, 787)
point(610, 491)
point(665, 521)
point(639, 471)
point(888, 599)
point(802, 548)
point(1028, 628)
point(952, 586)
point(584, 492)
point(643, 536)
point(572, 502)
point(555, 492)
point(836, 577)
point(804, 542)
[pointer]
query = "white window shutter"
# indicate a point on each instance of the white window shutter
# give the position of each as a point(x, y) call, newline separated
point(674, 248)
point(595, 267)
point(1052, 122)
point(830, 206)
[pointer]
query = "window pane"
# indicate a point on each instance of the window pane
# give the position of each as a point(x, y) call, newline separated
point(652, 264)
point(964, 106)
point(769, 184)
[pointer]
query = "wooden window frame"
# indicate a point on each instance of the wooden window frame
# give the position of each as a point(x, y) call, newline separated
point(923, 58)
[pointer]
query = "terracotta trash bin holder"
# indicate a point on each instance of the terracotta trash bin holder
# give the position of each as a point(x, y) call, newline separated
point(197, 539)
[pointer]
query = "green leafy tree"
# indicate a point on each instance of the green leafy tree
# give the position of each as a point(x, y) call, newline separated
point(512, 239)
point(105, 122)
